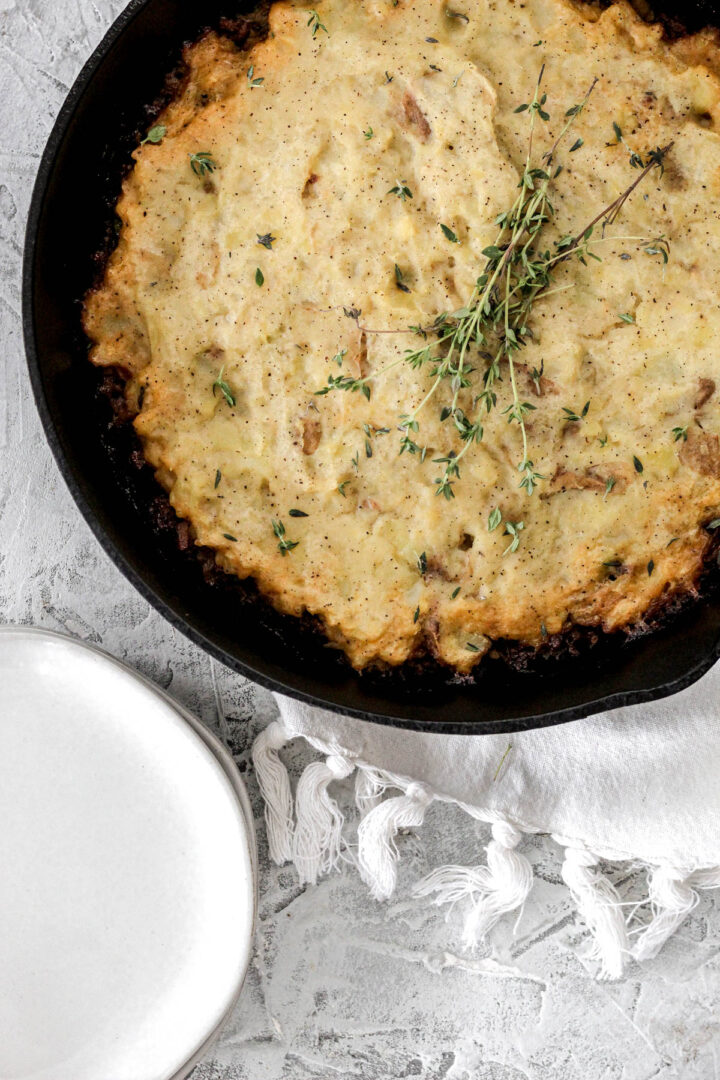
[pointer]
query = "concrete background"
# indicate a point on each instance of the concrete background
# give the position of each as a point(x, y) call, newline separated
point(340, 986)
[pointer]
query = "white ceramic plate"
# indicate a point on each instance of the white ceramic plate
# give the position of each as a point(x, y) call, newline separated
point(127, 890)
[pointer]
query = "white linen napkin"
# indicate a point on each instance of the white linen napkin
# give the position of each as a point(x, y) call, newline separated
point(638, 784)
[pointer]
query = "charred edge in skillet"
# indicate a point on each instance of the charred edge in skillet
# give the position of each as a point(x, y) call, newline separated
point(701, 15)
point(573, 648)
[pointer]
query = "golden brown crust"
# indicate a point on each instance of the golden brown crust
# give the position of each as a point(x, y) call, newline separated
point(604, 542)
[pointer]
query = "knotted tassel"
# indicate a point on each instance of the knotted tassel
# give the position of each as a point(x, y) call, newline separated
point(377, 850)
point(318, 833)
point(274, 785)
point(599, 905)
point(672, 898)
point(501, 886)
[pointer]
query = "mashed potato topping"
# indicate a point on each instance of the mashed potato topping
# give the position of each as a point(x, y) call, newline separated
point(226, 304)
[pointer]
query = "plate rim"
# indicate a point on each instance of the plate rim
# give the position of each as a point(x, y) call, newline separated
point(230, 770)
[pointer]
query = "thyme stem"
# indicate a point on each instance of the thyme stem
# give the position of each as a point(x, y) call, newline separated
point(494, 320)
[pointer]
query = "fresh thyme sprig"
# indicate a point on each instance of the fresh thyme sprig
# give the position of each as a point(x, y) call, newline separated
point(344, 382)
point(572, 417)
point(402, 190)
point(495, 318)
point(653, 157)
point(202, 162)
point(315, 24)
point(493, 325)
point(513, 529)
point(284, 545)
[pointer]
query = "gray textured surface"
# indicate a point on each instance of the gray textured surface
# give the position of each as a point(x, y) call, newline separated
point(340, 986)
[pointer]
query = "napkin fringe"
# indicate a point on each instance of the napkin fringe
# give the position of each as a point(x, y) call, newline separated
point(309, 831)
point(378, 854)
point(317, 841)
point(672, 896)
point(490, 891)
point(275, 786)
point(599, 905)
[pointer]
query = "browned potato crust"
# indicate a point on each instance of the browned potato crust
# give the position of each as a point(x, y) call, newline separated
point(179, 307)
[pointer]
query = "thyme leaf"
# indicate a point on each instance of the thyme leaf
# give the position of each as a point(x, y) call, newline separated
point(449, 234)
point(399, 280)
point(155, 135)
point(224, 389)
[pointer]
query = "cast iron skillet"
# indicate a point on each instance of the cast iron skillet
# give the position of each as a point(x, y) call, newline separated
point(82, 166)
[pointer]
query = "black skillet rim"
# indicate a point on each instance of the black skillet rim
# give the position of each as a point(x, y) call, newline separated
point(78, 487)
